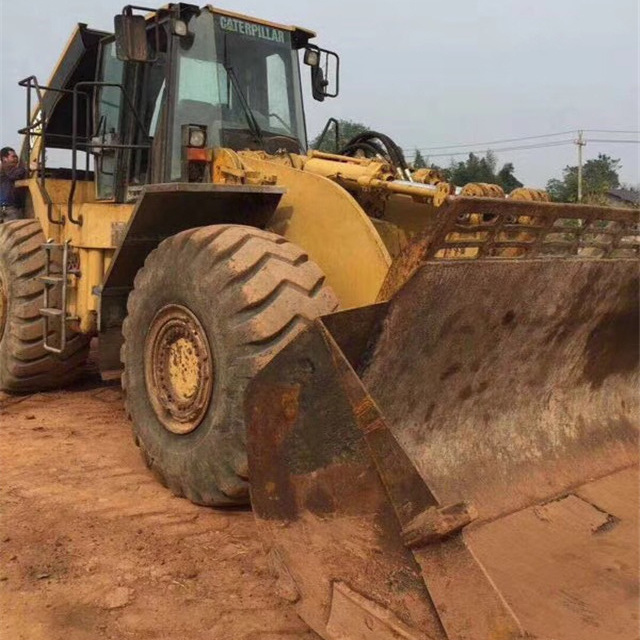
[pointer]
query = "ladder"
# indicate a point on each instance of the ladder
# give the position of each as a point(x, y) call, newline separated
point(50, 281)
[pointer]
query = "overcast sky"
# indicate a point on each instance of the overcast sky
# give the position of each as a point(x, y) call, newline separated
point(425, 73)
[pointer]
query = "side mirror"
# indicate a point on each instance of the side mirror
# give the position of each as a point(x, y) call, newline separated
point(318, 84)
point(325, 72)
point(131, 38)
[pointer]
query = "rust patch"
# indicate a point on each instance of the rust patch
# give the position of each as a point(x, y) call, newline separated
point(272, 413)
point(577, 314)
point(319, 502)
point(290, 402)
point(466, 393)
point(453, 369)
point(476, 365)
point(508, 318)
point(429, 413)
point(613, 347)
point(483, 386)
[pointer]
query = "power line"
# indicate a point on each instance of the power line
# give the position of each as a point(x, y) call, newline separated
point(605, 140)
point(520, 139)
point(609, 131)
point(555, 143)
point(499, 150)
point(483, 144)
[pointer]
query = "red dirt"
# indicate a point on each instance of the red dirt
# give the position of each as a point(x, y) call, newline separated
point(92, 547)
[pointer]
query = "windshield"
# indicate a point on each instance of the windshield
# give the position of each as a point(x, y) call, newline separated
point(241, 81)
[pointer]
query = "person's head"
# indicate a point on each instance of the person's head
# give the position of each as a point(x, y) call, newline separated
point(8, 156)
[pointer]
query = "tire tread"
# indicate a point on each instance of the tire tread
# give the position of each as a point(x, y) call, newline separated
point(25, 366)
point(269, 291)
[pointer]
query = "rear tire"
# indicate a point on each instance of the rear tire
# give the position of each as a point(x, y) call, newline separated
point(210, 308)
point(25, 365)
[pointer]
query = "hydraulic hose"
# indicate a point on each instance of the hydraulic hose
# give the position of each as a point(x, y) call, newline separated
point(373, 142)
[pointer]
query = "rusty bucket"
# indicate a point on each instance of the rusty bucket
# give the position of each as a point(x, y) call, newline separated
point(460, 461)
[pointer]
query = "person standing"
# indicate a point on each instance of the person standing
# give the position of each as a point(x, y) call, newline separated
point(11, 169)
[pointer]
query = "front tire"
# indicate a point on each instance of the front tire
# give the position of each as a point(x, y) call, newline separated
point(210, 308)
point(25, 365)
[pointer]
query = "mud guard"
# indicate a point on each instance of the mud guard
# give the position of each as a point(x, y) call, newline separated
point(163, 210)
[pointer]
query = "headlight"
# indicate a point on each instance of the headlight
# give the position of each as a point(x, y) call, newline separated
point(197, 138)
point(312, 57)
point(180, 28)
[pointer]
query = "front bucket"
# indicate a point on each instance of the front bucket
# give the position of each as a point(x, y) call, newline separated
point(460, 462)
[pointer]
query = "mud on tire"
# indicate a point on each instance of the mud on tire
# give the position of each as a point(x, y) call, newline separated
point(25, 366)
point(251, 292)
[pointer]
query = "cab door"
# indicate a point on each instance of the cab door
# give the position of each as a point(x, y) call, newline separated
point(109, 121)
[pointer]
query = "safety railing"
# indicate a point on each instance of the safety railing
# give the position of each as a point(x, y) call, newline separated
point(37, 123)
point(38, 120)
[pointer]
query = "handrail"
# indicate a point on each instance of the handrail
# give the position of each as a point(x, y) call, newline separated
point(330, 121)
point(31, 82)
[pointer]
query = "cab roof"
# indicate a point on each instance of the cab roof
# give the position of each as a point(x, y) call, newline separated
point(299, 35)
point(275, 25)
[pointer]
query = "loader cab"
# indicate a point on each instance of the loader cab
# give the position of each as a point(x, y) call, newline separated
point(185, 81)
point(236, 85)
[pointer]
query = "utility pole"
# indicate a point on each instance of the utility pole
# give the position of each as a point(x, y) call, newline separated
point(581, 143)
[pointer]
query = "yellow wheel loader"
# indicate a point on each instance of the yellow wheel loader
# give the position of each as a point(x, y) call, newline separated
point(431, 399)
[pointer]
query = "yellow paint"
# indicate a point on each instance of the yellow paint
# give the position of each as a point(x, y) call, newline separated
point(184, 369)
point(394, 237)
point(322, 218)
point(93, 241)
point(317, 212)
point(227, 167)
point(412, 216)
point(58, 190)
point(360, 172)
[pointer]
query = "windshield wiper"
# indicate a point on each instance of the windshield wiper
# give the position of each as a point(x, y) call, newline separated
point(248, 113)
point(254, 127)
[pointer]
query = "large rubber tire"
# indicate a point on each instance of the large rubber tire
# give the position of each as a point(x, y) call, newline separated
point(251, 292)
point(25, 366)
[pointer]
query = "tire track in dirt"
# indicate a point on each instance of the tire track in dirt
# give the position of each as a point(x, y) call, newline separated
point(92, 547)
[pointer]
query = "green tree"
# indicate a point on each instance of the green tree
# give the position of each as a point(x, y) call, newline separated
point(474, 169)
point(347, 129)
point(418, 161)
point(506, 179)
point(483, 169)
point(599, 175)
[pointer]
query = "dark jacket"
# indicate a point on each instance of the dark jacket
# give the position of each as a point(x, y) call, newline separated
point(8, 195)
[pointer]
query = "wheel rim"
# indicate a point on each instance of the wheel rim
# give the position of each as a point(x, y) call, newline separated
point(4, 306)
point(179, 369)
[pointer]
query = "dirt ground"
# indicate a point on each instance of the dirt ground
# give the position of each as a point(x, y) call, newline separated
point(92, 547)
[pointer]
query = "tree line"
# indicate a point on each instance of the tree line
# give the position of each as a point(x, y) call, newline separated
point(599, 175)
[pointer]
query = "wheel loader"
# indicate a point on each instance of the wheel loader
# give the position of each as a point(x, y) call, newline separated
point(430, 397)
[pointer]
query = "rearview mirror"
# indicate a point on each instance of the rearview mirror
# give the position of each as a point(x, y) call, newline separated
point(325, 72)
point(131, 38)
